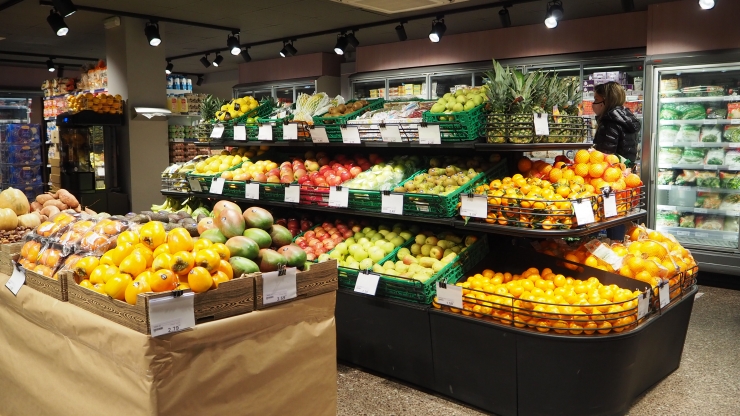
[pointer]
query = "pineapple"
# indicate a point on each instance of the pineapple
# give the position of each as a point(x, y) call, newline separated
point(209, 106)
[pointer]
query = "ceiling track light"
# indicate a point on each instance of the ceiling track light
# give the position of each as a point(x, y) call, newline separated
point(199, 82)
point(204, 60)
point(218, 59)
point(706, 4)
point(352, 39)
point(169, 68)
point(554, 13)
point(401, 32)
point(291, 49)
point(232, 42)
point(628, 5)
point(341, 44)
point(56, 21)
point(60, 72)
point(245, 55)
point(65, 7)
point(438, 29)
point(50, 65)
point(151, 30)
point(503, 14)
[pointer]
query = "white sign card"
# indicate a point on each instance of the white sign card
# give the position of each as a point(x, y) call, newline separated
point(350, 135)
point(290, 131)
point(171, 314)
point(390, 134)
point(338, 197)
point(392, 204)
point(541, 128)
point(17, 279)
point(449, 295)
point(252, 191)
point(584, 211)
point(217, 186)
point(195, 185)
point(318, 135)
point(277, 286)
point(240, 132)
point(265, 132)
point(476, 207)
point(664, 294)
point(218, 131)
point(430, 134)
point(367, 283)
point(293, 193)
point(643, 303)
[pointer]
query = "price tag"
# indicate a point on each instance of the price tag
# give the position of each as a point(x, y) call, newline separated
point(392, 204)
point(367, 283)
point(430, 134)
point(290, 131)
point(195, 185)
point(279, 286)
point(733, 145)
point(171, 314)
point(700, 210)
point(604, 253)
point(265, 132)
point(730, 237)
point(541, 128)
point(701, 235)
point(475, 206)
point(293, 193)
point(390, 134)
point(252, 191)
point(218, 131)
point(338, 197)
point(217, 186)
point(730, 97)
point(610, 206)
point(710, 121)
point(450, 295)
point(350, 135)
point(584, 211)
point(643, 303)
point(318, 135)
point(17, 279)
point(735, 121)
point(683, 233)
point(664, 294)
point(240, 132)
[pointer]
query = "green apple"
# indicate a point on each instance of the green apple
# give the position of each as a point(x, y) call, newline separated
point(388, 247)
point(403, 253)
point(360, 255)
point(366, 264)
point(397, 241)
point(342, 248)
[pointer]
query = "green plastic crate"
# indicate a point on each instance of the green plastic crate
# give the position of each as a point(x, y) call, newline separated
point(262, 110)
point(205, 180)
point(332, 124)
point(268, 191)
point(465, 126)
point(277, 128)
point(445, 206)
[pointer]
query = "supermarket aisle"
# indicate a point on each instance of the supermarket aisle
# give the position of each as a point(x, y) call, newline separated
point(705, 384)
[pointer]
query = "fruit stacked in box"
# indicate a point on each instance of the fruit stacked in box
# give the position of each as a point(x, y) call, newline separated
point(20, 158)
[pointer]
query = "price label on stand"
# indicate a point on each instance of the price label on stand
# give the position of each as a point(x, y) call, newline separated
point(293, 193)
point(475, 206)
point(217, 186)
point(195, 185)
point(338, 197)
point(17, 279)
point(391, 204)
point(279, 286)
point(290, 131)
point(218, 131)
point(350, 135)
point(643, 304)
point(450, 295)
point(240, 132)
point(584, 211)
point(700, 210)
point(430, 134)
point(735, 121)
point(171, 314)
point(664, 293)
point(367, 283)
point(318, 135)
point(541, 128)
point(390, 134)
point(252, 191)
point(610, 205)
point(265, 132)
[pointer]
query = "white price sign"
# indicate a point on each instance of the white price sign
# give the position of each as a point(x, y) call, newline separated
point(293, 193)
point(710, 121)
point(17, 279)
point(450, 295)
point(390, 134)
point(430, 134)
point(610, 205)
point(217, 186)
point(290, 131)
point(475, 206)
point(318, 135)
point(350, 135)
point(584, 211)
point(279, 286)
point(240, 132)
point(643, 303)
point(541, 128)
point(700, 210)
point(367, 283)
point(252, 191)
point(265, 132)
point(170, 314)
point(664, 294)
point(218, 131)
point(338, 197)
point(392, 204)
point(195, 185)
point(735, 121)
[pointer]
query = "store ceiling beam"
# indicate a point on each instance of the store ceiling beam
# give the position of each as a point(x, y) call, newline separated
point(48, 55)
point(355, 28)
point(145, 17)
point(42, 63)
point(9, 3)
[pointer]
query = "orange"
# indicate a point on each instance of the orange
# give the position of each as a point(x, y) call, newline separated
point(524, 165)
point(612, 174)
point(632, 181)
point(218, 278)
point(208, 259)
point(163, 248)
point(163, 281)
point(582, 169)
point(200, 279)
point(179, 239)
point(134, 264)
point(595, 171)
point(636, 264)
point(568, 174)
point(133, 290)
point(182, 262)
point(604, 327)
point(596, 157)
point(591, 261)
point(612, 159)
point(653, 249)
point(116, 286)
point(582, 156)
point(644, 276)
point(563, 191)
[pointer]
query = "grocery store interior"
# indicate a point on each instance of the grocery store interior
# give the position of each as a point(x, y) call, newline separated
point(365, 207)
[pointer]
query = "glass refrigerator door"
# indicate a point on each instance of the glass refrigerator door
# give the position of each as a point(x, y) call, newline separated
point(97, 155)
point(15, 110)
point(442, 84)
point(367, 90)
point(697, 135)
point(405, 88)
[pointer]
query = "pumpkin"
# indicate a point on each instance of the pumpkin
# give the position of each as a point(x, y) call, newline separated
point(31, 220)
point(8, 219)
point(14, 199)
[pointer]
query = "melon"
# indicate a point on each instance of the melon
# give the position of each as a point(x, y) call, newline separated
point(220, 205)
point(294, 255)
point(214, 236)
point(205, 224)
point(270, 260)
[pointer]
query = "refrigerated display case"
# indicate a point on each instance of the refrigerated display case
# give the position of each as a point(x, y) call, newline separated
point(287, 91)
point(16, 110)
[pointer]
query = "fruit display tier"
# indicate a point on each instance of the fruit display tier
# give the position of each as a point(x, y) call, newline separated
point(476, 145)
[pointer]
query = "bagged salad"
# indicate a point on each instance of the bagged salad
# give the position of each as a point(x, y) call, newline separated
point(710, 222)
point(732, 134)
point(729, 180)
point(693, 111)
point(688, 133)
point(732, 158)
point(733, 110)
point(686, 178)
point(731, 202)
point(667, 134)
point(708, 200)
point(715, 156)
point(669, 112)
point(667, 219)
point(693, 155)
point(687, 220)
point(707, 179)
point(670, 155)
point(711, 134)
point(665, 176)
point(732, 224)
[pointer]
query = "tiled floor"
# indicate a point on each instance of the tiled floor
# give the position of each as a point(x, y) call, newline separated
point(707, 383)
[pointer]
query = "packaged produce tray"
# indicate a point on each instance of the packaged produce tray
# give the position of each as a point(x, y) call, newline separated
point(445, 206)
point(333, 124)
point(519, 128)
point(20, 173)
point(456, 127)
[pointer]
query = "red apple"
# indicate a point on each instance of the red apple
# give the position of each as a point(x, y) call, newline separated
point(348, 234)
point(355, 170)
point(310, 256)
point(345, 176)
point(329, 244)
point(299, 173)
point(273, 172)
point(292, 222)
point(273, 179)
point(314, 242)
point(309, 235)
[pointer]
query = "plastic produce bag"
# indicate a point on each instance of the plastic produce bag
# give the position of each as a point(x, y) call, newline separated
point(732, 158)
point(688, 133)
point(693, 155)
point(731, 202)
point(669, 112)
point(732, 134)
point(711, 134)
point(707, 179)
point(692, 111)
point(686, 178)
point(715, 156)
point(733, 110)
point(667, 134)
point(687, 221)
point(665, 176)
point(670, 155)
point(729, 180)
point(710, 222)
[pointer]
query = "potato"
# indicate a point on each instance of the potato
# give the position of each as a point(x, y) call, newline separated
point(50, 211)
point(36, 206)
point(41, 199)
point(68, 198)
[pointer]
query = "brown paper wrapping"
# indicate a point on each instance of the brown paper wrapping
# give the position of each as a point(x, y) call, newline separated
point(57, 359)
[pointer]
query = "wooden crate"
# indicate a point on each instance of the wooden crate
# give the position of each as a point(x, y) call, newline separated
point(57, 289)
point(234, 297)
point(7, 254)
point(320, 278)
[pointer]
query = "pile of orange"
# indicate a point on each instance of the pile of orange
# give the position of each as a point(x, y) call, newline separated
point(546, 301)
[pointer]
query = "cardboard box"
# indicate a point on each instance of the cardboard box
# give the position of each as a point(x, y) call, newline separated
point(319, 278)
point(55, 162)
point(55, 179)
point(56, 170)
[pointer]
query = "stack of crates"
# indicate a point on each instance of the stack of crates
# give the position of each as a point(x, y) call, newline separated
point(21, 161)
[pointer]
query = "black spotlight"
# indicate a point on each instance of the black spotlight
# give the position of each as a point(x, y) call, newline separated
point(554, 14)
point(284, 52)
point(233, 43)
point(204, 60)
point(438, 29)
point(503, 14)
point(56, 21)
point(60, 73)
point(152, 33)
point(341, 44)
point(65, 7)
point(291, 49)
point(199, 82)
point(401, 32)
point(352, 40)
point(218, 59)
point(169, 68)
point(50, 65)
point(245, 55)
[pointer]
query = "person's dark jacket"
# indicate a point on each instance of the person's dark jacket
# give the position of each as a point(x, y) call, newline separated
point(617, 133)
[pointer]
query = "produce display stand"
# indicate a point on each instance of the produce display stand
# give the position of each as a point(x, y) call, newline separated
point(63, 360)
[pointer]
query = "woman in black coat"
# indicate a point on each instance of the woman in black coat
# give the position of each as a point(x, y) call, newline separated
point(617, 126)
